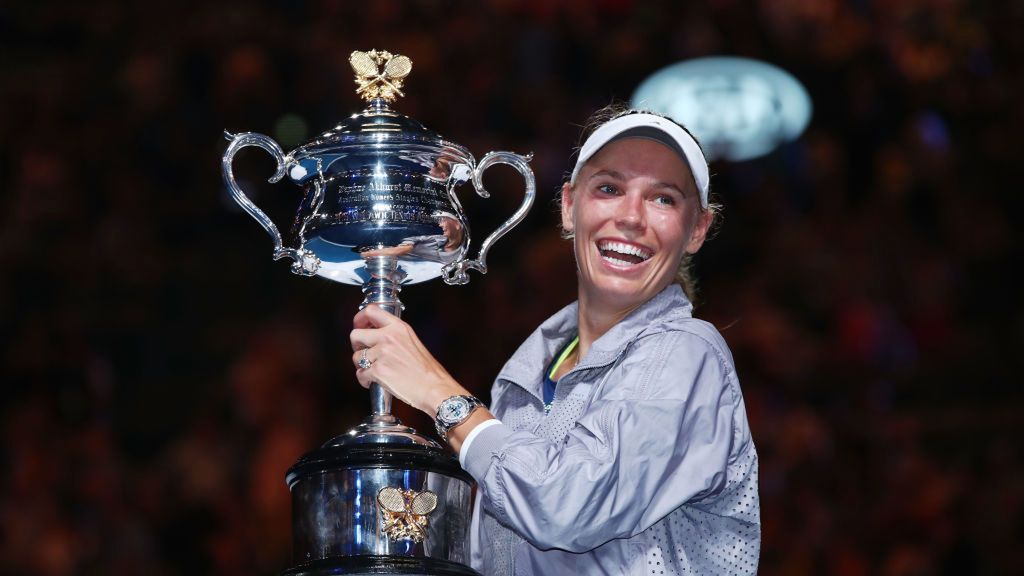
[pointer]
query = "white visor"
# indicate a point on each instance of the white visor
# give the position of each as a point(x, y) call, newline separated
point(650, 127)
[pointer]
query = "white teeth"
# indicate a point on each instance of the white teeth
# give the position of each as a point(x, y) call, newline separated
point(622, 248)
point(617, 262)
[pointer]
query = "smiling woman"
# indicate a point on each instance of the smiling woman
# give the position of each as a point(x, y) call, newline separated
point(617, 438)
point(635, 214)
point(604, 117)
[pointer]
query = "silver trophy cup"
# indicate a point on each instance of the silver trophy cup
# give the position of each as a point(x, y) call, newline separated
point(379, 210)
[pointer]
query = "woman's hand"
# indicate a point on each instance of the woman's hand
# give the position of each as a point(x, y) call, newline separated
point(399, 362)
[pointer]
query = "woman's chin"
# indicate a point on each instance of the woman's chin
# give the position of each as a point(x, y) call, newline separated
point(620, 292)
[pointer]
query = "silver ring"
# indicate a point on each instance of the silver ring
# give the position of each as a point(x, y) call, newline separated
point(364, 362)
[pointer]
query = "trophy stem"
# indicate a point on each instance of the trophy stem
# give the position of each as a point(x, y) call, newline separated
point(382, 289)
point(382, 427)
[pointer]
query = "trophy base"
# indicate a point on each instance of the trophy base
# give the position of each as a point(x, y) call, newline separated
point(333, 458)
point(339, 526)
point(367, 565)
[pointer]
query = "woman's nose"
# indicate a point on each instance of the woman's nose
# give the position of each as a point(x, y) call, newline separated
point(631, 211)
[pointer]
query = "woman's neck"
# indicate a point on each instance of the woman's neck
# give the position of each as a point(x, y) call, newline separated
point(593, 320)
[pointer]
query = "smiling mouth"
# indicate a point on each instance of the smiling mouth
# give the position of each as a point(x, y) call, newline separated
point(622, 254)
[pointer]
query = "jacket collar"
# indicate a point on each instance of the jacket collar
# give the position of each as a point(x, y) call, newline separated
point(527, 364)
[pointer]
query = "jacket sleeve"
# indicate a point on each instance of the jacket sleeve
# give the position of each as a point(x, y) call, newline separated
point(631, 458)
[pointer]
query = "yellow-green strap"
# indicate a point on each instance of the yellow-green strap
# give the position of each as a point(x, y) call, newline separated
point(561, 358)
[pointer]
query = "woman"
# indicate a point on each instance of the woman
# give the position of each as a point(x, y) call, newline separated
point(617, 440)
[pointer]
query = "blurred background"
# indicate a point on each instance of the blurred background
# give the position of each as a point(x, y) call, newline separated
point(160, 372)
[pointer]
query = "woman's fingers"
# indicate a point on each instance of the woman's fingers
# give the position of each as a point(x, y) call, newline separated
point(373, 317)
point(370, 329)
point(361, 355)
point(375, 373)
point(363, 375)
point(365, 338)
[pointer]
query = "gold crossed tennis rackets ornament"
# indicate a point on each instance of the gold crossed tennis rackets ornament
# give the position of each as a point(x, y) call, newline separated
point(376, 82)
point(404, 512)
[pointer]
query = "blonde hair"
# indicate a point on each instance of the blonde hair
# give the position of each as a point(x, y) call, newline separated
point(684, 274)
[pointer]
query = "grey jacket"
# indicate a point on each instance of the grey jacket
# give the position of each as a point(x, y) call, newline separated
point(644, 465)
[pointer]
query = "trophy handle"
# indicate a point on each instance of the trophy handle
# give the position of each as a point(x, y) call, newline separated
point(305, 262)
point(455, 273)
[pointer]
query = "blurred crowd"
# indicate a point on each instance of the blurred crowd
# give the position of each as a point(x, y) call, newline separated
point(160, 372)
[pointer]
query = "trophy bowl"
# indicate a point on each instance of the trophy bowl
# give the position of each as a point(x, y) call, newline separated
point(379, 209)
point(378, 184)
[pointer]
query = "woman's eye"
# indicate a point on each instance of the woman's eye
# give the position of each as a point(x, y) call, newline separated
point(608, 189)
point(665, 200)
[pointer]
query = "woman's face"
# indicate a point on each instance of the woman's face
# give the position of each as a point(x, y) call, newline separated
point(634, 212)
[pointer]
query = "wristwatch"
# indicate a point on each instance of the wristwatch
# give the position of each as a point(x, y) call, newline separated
point(454, 411)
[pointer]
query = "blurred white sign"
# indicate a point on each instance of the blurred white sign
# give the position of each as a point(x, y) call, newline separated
point(736, 107)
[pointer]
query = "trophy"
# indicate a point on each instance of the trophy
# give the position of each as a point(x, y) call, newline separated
point(379, 210)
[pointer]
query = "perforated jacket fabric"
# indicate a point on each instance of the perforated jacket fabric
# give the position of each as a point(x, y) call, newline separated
point(644, 465)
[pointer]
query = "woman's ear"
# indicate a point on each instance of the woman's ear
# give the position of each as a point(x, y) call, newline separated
point(700, 231)
point(566, 208)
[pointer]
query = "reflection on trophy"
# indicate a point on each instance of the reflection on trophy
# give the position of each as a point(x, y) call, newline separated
point(379, 210)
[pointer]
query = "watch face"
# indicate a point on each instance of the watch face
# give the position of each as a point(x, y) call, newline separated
point(453, 410)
